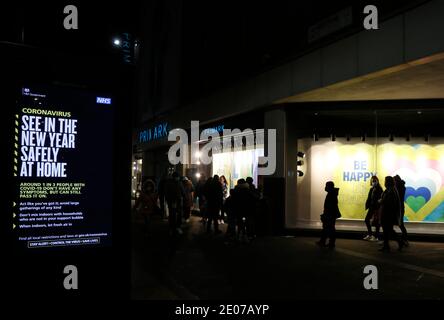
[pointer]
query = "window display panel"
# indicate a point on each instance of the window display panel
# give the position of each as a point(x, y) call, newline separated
point(421, 166)
point(236, 165)
point(351, 165)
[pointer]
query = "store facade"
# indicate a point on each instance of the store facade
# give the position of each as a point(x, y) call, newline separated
point(350, 145)
point(234, 161)
point(239, 151)
point(368, 103)
point(150, 153)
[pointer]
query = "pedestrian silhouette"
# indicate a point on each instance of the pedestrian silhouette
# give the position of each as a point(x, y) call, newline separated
point(174, 194)
point(146, 204)
point(214, 201)
point(390, 213)
point(224, 183)
point(329, 216)
point(400, 187)
point(188, 198)
point(372, 206)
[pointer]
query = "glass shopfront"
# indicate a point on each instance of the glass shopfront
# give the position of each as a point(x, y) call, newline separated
point(237, 165)
point(348, 147)
point(350, 164)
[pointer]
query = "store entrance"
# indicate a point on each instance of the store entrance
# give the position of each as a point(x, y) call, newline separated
point(237, 165)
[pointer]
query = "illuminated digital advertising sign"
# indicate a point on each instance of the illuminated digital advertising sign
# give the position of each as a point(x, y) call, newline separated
point(62, 154)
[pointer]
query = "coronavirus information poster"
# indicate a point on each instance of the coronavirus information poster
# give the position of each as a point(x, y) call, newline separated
point(62, 168)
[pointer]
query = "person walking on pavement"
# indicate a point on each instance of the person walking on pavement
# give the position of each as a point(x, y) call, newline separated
point(372, 205)
point(329, 216)
point(400, 187)
point(390, 213)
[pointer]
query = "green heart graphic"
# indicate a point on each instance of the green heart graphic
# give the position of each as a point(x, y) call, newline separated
point(416, 203)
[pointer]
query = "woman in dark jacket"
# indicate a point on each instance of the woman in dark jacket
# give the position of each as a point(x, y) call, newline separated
point(390, 213)
point(372, 205)
point(331, 213)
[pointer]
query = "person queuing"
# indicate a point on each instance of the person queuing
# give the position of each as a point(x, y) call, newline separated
point(230, 210)
point(214, 195)
point(200, 195)
point(161, 193)
point(244, 207)
point(188, 199)
point(223, 182)
point(372, 207)
point(174, 194)
point(146, 203)
point(252, 214)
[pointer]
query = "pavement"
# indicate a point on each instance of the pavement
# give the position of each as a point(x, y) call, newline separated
point(201, 266)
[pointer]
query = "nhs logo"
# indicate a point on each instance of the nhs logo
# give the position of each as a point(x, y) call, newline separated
point(102, 100)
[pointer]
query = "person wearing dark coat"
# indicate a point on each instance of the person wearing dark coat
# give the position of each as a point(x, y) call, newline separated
point(329, 216)
point(188, 198)
point(215, 201)
point(243, 203)
point(174, 194)
point(400, 187)
point(161, 192)
point(231, 215)
point(372, 207)
point(390, 213)
point(251, 217)
point(200, 194)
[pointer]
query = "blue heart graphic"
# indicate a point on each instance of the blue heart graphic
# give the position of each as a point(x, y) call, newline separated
point(422, 191)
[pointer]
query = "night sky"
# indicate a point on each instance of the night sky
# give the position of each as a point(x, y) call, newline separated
point(222, 40)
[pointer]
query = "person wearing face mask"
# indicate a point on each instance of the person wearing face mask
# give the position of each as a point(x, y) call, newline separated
point(372, 206)
point(329, 216)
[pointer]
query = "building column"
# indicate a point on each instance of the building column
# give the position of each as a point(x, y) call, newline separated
point(274, 185)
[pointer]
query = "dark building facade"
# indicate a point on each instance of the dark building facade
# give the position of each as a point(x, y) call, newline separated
point(356, 102)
